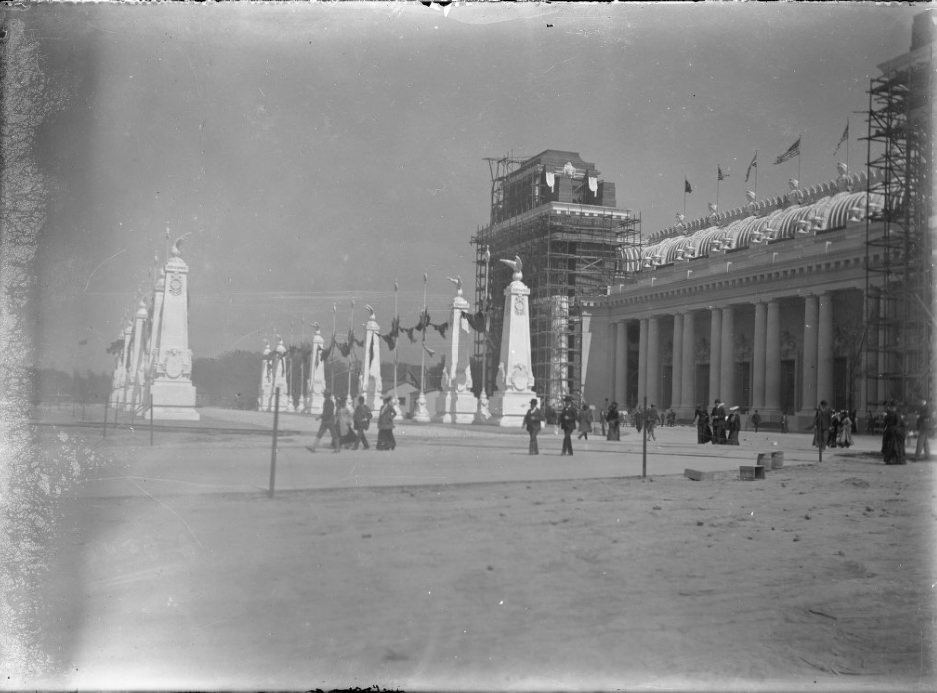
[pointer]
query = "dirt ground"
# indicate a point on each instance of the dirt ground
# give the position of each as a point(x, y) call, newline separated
point(820, 577)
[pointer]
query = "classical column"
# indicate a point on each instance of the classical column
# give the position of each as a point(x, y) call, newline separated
point(611, 358)
point(825, 348)
point(621, 362)
point(652, 385)
point(727, 367)
point(758, 357)
point(688, 389)
point(811, 309)
point(715, 358)
point(676, 377)
point(773, 358)
point(642, 361)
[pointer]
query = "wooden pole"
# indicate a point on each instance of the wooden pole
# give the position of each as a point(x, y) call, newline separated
point(644, 440)
point(151, 419)
point(273, 450)
point(106, 402)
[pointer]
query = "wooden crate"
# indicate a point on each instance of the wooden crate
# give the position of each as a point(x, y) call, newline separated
point(751, 472)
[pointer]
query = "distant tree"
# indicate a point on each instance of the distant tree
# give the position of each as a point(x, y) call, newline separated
point(221, 379)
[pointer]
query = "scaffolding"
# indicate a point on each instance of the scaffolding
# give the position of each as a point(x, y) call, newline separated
point(572, 246)
point(899, 243)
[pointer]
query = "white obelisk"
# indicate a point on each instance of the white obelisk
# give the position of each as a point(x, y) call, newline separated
point(515, 379)
point(456, 403)
point(370, 385)
point(172, 389)
point(316, 387)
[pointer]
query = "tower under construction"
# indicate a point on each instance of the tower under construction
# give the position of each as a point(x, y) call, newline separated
point(900, 233)
point(556, 212)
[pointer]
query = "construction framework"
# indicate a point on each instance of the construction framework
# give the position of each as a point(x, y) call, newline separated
point(570, 249)
point(899, 337)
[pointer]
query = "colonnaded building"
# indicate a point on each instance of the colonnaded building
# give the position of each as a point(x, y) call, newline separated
point(824, 292)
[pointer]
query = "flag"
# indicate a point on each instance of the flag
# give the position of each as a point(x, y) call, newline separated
point(753, 164)
point(476, 321)
point(441, 328)
point(720, 174)
point(428, 350)
point(792, 151)
point(842, 139)
point(687, 188)
point(371, 353)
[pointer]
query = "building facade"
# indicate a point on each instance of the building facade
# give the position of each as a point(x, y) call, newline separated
point(822, 293)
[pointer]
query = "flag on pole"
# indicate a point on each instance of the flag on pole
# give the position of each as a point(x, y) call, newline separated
point(842, 139)
point(753, 164)
point(792, 151)
point(720, 174)
point(687, 188)
point(429, 351)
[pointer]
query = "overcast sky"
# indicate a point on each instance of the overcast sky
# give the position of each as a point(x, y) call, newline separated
point(318, 152)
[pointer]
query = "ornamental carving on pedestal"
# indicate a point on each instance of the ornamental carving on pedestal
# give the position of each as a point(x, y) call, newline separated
point(519, 305)
point(178, 363)
point(175, 283)
point(520, 377)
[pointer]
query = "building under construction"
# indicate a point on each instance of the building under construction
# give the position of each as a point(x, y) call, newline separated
point(900, 280)
point(556, 213)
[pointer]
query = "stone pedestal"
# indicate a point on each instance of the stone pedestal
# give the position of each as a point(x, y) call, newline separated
point(456, 403)
point(515, 379)
point(420, 412)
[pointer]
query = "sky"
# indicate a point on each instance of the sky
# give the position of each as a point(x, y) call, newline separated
point(314, 153)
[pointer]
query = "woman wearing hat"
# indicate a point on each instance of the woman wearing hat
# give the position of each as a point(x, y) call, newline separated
point(385, 425)
point(532, 421)
point(733, 426)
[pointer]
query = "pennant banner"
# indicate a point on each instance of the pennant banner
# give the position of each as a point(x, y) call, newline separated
point(687, 188)
point(842, 139)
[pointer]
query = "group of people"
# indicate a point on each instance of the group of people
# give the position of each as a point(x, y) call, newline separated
point(832, 428)
point(719, 426)
point(346, 426)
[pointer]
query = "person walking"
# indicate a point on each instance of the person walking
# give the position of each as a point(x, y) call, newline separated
point(844, 439)
point(756, 420)
point(362, 420)
point(893, 436)
point(822, 423)
point(701, 419)
point(603, 415)
point(533, 420)
point(613, 418)
point(568, 419)
point(718, 423)
point(385, 425)
point(327, 423)
point(585, 422)
point(923, 426)
point(651, 420)
point(733, 426)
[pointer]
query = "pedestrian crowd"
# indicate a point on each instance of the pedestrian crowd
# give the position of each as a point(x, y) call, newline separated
point(346, 426)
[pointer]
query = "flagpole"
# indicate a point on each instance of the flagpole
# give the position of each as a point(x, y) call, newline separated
point(847, 144)
point(482, 414)
point(718, 178)
point(332, 349)
point(800, 141)
point(684, 193)
point(421, 414)
point(395, 323)
point(351, 344)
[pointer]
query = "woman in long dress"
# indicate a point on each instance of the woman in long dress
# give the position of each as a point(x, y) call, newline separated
point(701, 419)
point(893, 436)
point(845, 431)
point(614, 423)
point(385, 425)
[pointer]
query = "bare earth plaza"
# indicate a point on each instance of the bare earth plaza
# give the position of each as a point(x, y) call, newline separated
point(275, 417)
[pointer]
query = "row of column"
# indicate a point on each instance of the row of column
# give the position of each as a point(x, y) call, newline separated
point(816, 356)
